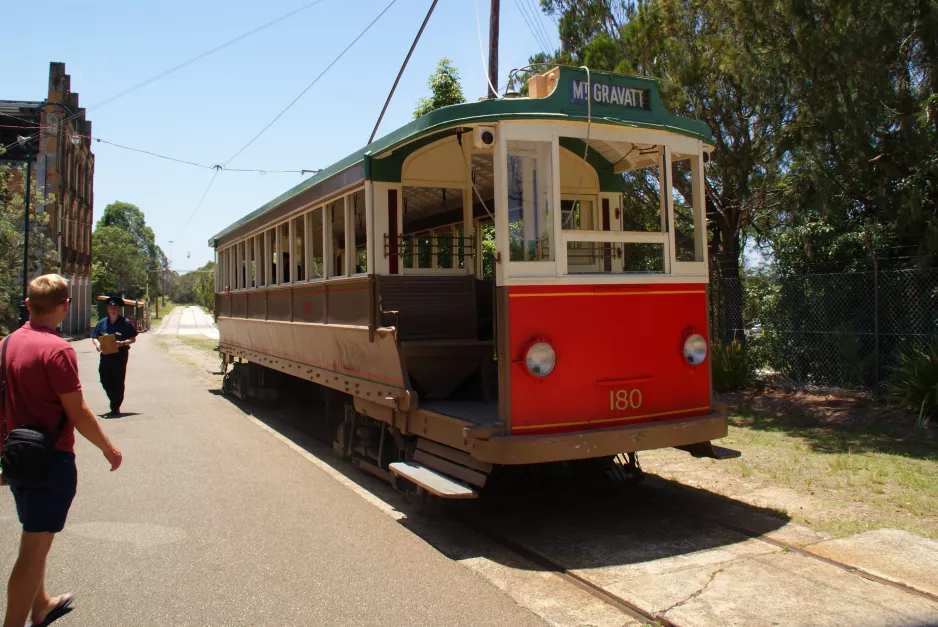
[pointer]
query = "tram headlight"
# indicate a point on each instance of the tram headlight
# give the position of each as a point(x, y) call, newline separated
point(695, 349)
point(540, 359)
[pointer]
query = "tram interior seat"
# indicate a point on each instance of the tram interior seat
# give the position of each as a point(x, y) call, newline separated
point(444, 328)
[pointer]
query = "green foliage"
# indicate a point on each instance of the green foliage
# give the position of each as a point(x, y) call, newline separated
point(915, 381)
point(445, 89)
point(195, 288)
point(123, 250)
point(42, 254)
point(733, 366)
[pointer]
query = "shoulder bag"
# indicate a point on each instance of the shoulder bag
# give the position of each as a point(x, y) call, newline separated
point(26, 449)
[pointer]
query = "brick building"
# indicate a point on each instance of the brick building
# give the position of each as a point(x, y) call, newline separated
point(62, 165)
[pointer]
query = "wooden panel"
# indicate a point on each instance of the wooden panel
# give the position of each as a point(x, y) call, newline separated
point(309, 303)
point(432, 482)
point(348, 301)
point(453, 470)
point(239, 305)
point(431, 307)
point(221, 311)
point(257, 305)
point(278, 305)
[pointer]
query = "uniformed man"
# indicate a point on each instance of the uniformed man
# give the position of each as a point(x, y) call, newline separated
point(113, 368)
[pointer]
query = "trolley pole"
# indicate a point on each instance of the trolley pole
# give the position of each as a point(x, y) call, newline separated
point(493, 47)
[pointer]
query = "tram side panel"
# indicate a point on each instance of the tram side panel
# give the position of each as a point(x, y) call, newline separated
point(619, 356)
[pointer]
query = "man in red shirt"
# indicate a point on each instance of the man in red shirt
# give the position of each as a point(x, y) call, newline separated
point(41, 384)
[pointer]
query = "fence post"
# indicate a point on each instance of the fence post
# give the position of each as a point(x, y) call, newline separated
point(869, 246)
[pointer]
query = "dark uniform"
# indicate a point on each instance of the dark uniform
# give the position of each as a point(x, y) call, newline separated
point(113, 368)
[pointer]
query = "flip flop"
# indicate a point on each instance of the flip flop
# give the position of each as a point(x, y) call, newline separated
point(64, 607)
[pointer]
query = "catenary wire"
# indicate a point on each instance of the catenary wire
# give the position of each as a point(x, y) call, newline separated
point(535, 14)
point(315, 80)
point(187, 62)
point(534, 33)
point(201, 200)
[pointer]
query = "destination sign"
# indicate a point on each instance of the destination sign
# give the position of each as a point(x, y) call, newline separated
point(606, 94)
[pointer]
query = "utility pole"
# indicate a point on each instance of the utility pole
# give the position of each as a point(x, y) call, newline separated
point(493, 47)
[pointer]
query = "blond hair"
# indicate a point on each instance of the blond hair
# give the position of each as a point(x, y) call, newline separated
point(46, 292)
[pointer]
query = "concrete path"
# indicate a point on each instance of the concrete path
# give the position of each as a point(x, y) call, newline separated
point(186, 320)
point(213, 520)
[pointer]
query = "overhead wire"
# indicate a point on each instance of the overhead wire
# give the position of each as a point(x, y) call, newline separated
point(534, 33)
point(535, 15)
point(308, 87)
point(201, 200)
point(186, 63)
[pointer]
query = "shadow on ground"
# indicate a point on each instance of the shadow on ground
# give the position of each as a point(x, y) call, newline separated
point(831, 424)
point(581, 528)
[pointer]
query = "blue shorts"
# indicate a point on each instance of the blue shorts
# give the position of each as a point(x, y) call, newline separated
point(43, 506)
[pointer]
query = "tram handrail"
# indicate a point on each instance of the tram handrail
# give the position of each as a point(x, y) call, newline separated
point(608, 237)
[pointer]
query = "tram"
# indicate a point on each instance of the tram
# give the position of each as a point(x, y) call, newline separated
point(505, 282)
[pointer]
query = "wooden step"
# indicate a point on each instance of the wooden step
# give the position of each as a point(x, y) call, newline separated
point(432, 481)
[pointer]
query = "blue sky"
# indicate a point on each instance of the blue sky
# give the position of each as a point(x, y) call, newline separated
point(207, 111)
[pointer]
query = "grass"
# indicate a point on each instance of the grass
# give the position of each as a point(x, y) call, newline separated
point(847, 476)
point(165, 310)
point(201, 343)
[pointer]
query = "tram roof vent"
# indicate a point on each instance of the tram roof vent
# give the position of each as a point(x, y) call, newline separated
point(543, 85)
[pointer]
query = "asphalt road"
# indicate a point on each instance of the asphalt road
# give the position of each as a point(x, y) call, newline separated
point(185, 320)
point(214, 521)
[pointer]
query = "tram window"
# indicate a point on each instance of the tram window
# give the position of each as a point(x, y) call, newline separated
point(272, 255)
point(259, 261)
point(337, 220)
point(429, 216)
point(243, 259)
point(283, 238)
point(251, 263)
point(579, 215)
point(299, 248)
point(358, 222)
point(529, 194)
point(682, 199)
point(615, 257)
point(316, 268)
point(641, 201)
point(459, 246)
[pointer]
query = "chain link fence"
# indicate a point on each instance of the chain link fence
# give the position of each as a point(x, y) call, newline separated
point(831, 330)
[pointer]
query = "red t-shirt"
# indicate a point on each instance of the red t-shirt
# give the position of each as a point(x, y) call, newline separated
point(40, 367)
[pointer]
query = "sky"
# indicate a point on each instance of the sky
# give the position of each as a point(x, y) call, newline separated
point(207, 111)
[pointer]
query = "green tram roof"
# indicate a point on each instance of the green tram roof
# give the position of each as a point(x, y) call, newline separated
point(558, 105)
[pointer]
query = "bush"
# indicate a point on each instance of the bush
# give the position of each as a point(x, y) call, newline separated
point(915, 381)
point(733, 366)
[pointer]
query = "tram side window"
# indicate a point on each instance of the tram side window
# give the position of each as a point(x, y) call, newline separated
point(431, 216)
point(299, 248)
point(337, 220)
point(243, 256)
point(252, 264)
point(361, 234)
point(271, 238)
point(686, 246)
point(642, 210)
point(283, 237)
point(259, 261)
point(316, 261)
point(529, 194)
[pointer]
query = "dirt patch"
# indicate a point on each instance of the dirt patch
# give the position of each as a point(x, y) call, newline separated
point(200, 355)
point(835, 463)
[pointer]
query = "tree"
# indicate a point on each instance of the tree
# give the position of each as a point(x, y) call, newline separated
point(123, 251)
point(42, 255)
point(445, 89)
point(131, 219)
